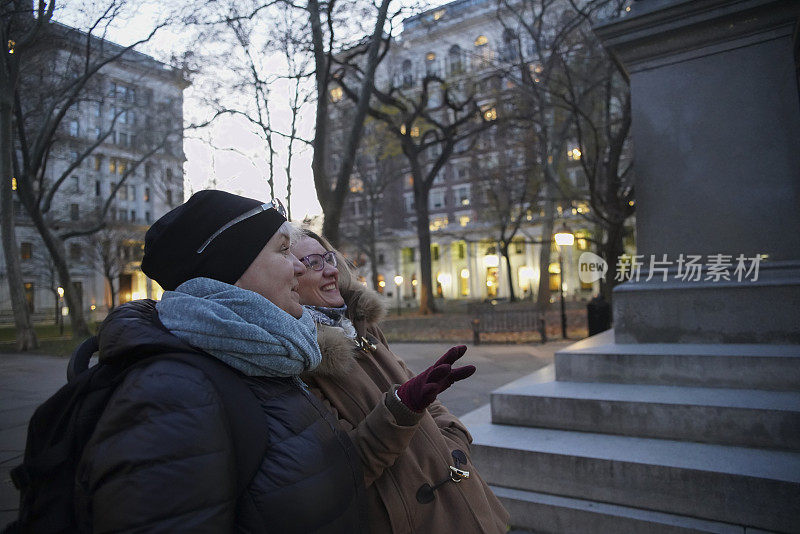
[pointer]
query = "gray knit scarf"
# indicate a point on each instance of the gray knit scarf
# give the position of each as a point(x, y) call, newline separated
point(241, 328)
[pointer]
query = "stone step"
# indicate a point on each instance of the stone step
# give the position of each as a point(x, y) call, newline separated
point(543, 513)
point(740, 417)
point(738, 366)
point(756, 488)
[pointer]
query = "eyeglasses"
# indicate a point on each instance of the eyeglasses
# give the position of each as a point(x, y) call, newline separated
point(272, 204)
point(318, 261)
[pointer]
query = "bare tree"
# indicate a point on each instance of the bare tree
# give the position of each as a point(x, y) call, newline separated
point(298, 65)
point(44, 270)
point(599, 99)
point(19, 28)
point(447, 125)
point(508, 189)
point(375, 170)
point(109, 251)
point(543, 42)
point(245, 43)
point(332, 191)
point(62, 71)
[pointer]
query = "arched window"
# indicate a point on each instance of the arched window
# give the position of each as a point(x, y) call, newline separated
point(455, 60)
point(430, 63)
point(408, 75)
point(482, 53)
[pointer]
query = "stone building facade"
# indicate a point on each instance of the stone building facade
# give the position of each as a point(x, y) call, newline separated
point(464, 43)
point(135, 105)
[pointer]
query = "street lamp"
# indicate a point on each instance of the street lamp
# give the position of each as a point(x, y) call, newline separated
point(60, 292)
point(398, 281)
point(564, 238)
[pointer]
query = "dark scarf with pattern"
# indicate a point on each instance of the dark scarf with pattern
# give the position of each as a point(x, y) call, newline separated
point(332, 317)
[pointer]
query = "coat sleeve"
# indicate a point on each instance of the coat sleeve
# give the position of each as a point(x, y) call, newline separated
point(449, 425)
point(379, 438)
point(160, 459)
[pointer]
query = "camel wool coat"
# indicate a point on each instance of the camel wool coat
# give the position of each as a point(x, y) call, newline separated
point(400, 450)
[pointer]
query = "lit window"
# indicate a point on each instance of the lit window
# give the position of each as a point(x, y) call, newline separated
point(574, 154)
point(438, 14)
point(438, 223)
point(356, 185)
point(490, 114)
point(463, 220)
point(336, 94)
point(430, 56)
point(415, 131)
point(13, 184)
point(481, 40)
point(461, 194)
point(26, 250)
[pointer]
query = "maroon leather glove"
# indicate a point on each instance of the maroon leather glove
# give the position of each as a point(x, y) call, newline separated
point(419, 392)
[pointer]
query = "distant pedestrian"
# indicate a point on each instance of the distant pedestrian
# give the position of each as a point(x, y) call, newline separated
point(415, 453)
point(162, 457)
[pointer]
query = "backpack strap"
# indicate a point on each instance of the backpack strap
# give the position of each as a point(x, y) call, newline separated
point(79, 361)
point(241, 407)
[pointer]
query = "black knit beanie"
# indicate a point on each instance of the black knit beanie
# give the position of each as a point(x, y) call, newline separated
point(171, 245)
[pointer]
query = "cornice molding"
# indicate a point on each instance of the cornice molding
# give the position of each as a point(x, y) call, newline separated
point(660, 32)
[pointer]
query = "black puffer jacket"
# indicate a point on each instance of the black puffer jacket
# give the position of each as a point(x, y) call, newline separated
point(160, 459)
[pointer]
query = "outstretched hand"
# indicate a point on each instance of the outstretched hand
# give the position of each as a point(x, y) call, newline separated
point(419, 392)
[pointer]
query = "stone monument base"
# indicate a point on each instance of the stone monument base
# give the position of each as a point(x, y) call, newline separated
point(648, 438)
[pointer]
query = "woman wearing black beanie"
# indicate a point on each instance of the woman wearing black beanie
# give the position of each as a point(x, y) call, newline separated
point(163, 455)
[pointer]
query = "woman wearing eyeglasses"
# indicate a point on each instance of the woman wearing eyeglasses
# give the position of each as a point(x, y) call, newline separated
point(165, 455)
point(414, 452)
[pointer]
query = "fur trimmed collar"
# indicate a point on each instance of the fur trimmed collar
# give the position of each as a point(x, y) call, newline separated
point(364, 307)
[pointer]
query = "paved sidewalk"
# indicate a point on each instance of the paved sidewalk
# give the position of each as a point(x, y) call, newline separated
point(497, 365)
point(27, 380)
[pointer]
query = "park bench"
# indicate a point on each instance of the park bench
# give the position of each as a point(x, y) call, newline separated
point(489, 319)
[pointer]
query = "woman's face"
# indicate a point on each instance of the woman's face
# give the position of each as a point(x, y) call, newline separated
point(317, 288)
point(274, 275)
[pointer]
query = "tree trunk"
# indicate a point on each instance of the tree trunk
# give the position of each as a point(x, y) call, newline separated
point(504, 249)
point(321, 182)
point(55, 247)
point(113, 293)
point(373, 254)
point(426, 302)
point(26, 336)
point(543, 296)
point(56, 308)
point(334, 195)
